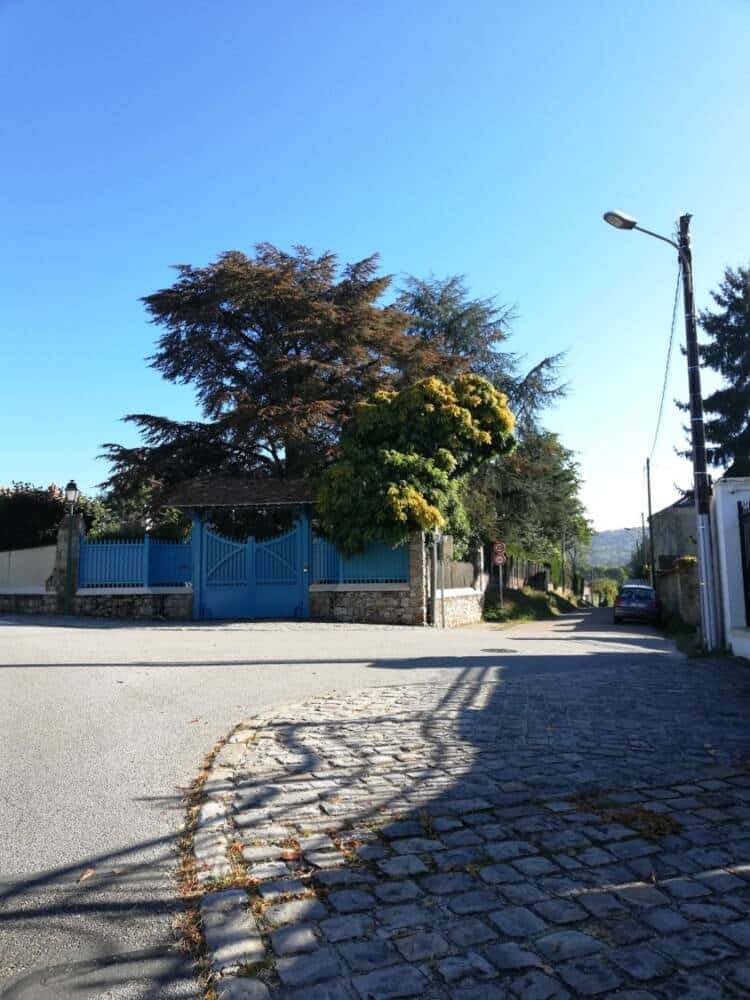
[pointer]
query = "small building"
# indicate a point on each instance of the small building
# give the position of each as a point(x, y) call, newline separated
point(730, 520)
point(674, 532)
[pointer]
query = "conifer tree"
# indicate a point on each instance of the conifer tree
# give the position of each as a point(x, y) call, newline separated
point(728, 353)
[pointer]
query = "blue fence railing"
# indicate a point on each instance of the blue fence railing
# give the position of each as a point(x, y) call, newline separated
point(379, 563)
point(151, 562)
point(143, 562)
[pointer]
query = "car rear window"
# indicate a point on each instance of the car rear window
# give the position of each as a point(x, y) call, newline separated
point(638, 593)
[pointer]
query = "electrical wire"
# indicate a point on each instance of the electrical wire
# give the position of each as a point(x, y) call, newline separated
point(669, 359)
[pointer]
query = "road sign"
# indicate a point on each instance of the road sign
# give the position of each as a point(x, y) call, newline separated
point(498, 553)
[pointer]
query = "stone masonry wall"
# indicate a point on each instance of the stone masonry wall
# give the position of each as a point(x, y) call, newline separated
point(28, 604)
point(383, 607)
point(462, 610)
point(175, 607)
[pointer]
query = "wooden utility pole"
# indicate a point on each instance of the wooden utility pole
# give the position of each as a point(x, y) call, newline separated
point(650, 525)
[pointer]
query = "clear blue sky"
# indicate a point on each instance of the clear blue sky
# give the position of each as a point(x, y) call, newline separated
point(484, 138)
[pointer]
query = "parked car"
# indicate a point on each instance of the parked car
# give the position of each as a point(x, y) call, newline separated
point(636, 600)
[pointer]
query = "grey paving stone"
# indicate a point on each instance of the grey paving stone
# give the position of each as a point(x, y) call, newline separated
point(449, 882)
point(402, 828)
point(364, 956)
point(353, 925)
point(408, 864)
point(685, 888)
point(601, 904)
point(524, 893)
point(454, 968)
point(340, 879)
point(407, 915)
point(241, 988)
point(284, 887)
point(641, 894)
point(517, 921)
point(306, 969)
point(720, 881)
point(268, 869)
point(401, 891)
point(560, 911)
point(500, 874)
point(293, 939)
point(416, 845)
point(595, 856)
point(740, 975)
point(709, 913)
point(624, 930)
point(694, 948)
point(478, 901)
point(229, 929)
point(641, 962)
point(738, 933)
point(459, 858)
point(351, 900)
point(692, 986)
point(664, 919)
point(534, 867)
point(490, 990)
point(509, 956)
point(567, 944)
point(589, 976)
point(538, 986)
point(392, 983)
point(423, 946)
point(264, 852)
point(295, 911)
point(469, 932)
point(509, 850)
point(334, 989)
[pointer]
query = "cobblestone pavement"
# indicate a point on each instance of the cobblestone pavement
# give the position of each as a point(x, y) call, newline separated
point(548, 833)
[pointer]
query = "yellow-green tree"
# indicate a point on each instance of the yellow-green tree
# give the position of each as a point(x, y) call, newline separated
point(404, 457)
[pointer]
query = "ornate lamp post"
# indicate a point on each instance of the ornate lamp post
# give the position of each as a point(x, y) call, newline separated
point(72, 495)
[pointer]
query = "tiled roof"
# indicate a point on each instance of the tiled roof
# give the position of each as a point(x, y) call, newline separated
point(223, 491)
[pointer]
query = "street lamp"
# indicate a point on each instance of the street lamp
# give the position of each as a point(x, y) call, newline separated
point(72, 495)
point(697, 432)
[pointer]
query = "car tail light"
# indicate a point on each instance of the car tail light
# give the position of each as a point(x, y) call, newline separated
point(618, 601)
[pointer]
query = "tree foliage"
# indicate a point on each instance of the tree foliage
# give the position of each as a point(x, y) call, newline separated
point(728, 353)
point(279, 348)
point(405, 456)
point(473, 331)
point(30, 515)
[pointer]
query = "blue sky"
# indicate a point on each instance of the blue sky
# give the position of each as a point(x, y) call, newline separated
point(484, 138)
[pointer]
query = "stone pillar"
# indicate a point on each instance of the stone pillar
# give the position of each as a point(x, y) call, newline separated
point(57, 581)
point(417, 580)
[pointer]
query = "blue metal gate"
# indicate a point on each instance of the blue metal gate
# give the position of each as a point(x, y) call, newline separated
point(251, 578)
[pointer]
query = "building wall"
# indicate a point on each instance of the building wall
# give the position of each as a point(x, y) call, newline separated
point(728, 562)
point(677, 590)
point(674, 530)
point(26, 569)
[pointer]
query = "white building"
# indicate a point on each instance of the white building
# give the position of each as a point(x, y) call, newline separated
point(731, 577)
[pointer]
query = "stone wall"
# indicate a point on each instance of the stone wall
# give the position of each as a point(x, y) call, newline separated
point(28, 604)
point(461, 608)
point(677, 590)
point(172, 606)
point(384, 607)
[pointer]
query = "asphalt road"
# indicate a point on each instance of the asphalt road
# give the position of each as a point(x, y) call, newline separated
point(102, 725)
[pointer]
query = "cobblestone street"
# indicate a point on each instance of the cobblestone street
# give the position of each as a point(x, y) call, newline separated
point(565, 829)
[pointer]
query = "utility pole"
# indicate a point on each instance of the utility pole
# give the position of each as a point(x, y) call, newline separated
point(652, 570)
point(706, 582)
point(643, 536)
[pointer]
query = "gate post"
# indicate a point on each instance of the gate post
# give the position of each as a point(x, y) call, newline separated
point(305, 544)
point(196, 560)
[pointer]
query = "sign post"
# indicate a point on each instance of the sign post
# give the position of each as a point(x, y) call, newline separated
point(498, 558)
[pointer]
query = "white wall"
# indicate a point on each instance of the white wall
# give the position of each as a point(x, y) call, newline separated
point(726, 530)
point(25, 571)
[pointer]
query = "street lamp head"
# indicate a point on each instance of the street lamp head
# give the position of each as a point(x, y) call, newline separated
point(71, 492)
point(620, 220)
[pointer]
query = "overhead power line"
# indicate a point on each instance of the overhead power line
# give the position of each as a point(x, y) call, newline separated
point(669, 359)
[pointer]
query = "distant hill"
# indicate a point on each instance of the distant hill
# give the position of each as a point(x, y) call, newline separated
point(613, 548)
